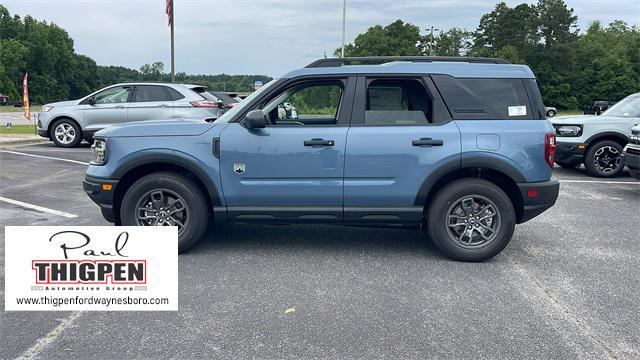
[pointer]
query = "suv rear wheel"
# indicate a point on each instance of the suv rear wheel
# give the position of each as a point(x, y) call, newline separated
point(167, 199)
point(66, 133)
point(604, 159)
point(471, 220)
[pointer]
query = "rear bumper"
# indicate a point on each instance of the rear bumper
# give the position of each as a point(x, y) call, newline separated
point(94, 189)
point(569, 152)
point(537, 198)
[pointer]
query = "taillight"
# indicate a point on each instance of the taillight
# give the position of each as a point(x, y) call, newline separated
point(550, 148)
point(205, 103)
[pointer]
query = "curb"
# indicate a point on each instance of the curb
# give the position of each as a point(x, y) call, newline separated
point(22, 142)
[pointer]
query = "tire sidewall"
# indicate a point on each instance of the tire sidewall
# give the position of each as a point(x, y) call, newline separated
point(437, 219)
point(588, 162)
point(190, 193)
point(76, 128)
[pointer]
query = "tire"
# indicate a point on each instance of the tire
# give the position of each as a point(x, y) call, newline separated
point(171, 185)
point(66, 133)
point(568, 164)
point(600, 160)
point(449, 201)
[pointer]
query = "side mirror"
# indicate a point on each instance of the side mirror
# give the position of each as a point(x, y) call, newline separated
point(255, 119)
point(91, 101)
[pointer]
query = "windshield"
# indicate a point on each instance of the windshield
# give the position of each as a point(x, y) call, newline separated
point(628, 107)
point(244, 103)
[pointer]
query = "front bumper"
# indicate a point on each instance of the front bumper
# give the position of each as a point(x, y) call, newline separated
point(104, 198)
point(631, 158)
point(570, 152)
point(44, 133)
point(537, 198)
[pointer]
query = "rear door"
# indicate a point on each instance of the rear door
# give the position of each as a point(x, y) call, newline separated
point(400, 133)
point(150, 102)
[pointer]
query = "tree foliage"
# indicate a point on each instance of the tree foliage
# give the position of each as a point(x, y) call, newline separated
point(56, 72)
point(571, 68)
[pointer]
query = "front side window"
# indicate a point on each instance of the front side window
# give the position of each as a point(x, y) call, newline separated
point(114, 95)
point(146, 93)
point(397, 102)
point(315, 103)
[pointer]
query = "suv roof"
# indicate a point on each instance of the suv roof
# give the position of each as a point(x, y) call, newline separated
point(454, 66)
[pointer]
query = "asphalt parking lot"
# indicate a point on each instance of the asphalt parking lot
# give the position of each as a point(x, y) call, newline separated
point(566, 287)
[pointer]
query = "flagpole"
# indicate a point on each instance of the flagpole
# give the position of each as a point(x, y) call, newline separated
point(173, 55)
point(344, 21)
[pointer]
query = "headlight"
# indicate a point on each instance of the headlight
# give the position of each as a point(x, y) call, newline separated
point(568, 130)
point(46, 108)
point(99, 150)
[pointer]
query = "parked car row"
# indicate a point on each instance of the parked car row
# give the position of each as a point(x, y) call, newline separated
point(66, 123)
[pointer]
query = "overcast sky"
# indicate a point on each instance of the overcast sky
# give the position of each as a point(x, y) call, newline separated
point(257, 36)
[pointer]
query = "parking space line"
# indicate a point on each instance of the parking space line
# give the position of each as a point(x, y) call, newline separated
point(600, 182)
point(38, 208)
point(45, 157)
point(33, 351)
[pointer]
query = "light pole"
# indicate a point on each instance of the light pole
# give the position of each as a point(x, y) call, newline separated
point(429, 47)
point(344, 23)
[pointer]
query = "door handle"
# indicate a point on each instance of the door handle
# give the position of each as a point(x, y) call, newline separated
point(120, 107)
point(319, 142)
point(427, 142)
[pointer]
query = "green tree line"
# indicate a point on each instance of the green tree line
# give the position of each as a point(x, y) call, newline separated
point(56, 72)
point(572, 68)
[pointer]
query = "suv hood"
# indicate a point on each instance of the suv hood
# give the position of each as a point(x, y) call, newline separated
point(588, 119)
point(157, 128)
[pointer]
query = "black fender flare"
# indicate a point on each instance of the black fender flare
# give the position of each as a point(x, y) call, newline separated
point(464, 163)
point(609, 134)
point(172, 157)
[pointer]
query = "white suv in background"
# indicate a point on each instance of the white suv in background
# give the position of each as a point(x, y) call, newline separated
point(66, 123)
point(597, 141)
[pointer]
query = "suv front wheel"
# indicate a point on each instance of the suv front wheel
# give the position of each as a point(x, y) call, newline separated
point(604, 159)
point(66, 133)
point(471, 220)
point(167, 199)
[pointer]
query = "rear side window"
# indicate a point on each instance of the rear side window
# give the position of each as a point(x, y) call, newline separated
point(478, 98)
point(147, 93)
point(174, 94)
point(397, 102)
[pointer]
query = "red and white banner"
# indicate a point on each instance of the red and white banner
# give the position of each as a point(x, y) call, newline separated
point(25, 96)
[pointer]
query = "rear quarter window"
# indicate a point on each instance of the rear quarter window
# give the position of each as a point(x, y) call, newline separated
point(486, 98)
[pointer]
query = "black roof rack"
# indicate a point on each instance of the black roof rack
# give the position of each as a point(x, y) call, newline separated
point(337, 62)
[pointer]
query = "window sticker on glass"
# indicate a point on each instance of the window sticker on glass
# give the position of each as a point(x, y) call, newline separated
point(517, 110)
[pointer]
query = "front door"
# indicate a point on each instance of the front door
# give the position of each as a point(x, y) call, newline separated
point(108, 108)
point(293, 168)
point(400, 133)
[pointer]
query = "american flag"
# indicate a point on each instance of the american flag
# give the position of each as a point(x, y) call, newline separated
point(169, 11)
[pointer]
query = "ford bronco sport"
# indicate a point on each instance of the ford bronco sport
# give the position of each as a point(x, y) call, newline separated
point(458, 145)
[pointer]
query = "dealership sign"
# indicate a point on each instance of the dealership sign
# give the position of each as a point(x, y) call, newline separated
point(91, 268)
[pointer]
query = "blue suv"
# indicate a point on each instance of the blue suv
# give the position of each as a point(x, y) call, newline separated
point(457, 145)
